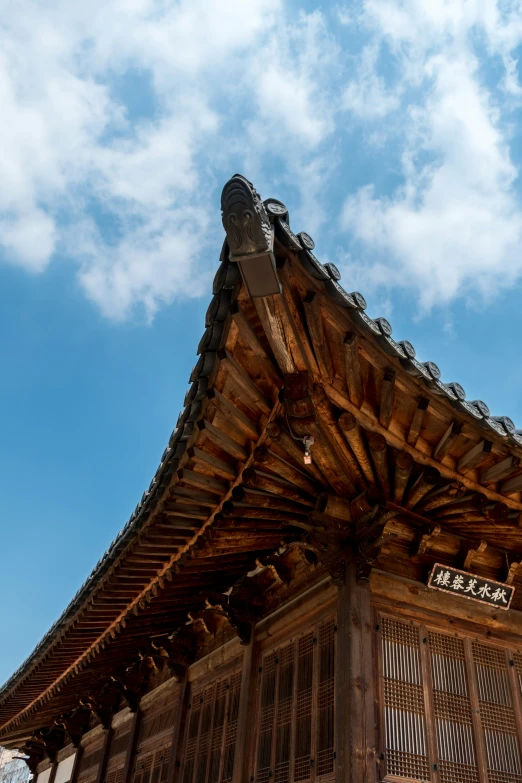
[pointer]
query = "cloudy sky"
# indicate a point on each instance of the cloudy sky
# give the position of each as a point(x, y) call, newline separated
point(391, 130)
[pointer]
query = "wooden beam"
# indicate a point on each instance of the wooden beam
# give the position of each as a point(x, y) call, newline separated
point(500, 470)
point(334, 506)
point(403, 467)
point(233, 412)
point(352, 432)
point(447, 440)
point(511, 485)
point(476, 455)
point(387, 396)
point(223, 469)
point(425, 482)
point(366, 503)
point(417, 421)
point(369, 423)
point(353, 369)
point(251, 340)
point(223, 441)
point(314, 321)
point(258, 479)
point(379, 451)
point(202, 480)
point(265, 459)
point(274, 329)
point(333, 437)
point(243, 380)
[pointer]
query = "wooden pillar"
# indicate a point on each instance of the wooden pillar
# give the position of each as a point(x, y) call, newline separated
point(133, 738)
point(244, 725)
point(355, 714)
point(105, 755)
point(52, 775)
point(178, 731)
point(76, 764)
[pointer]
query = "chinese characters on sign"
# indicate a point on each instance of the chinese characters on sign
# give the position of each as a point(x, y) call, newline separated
point(460, 583)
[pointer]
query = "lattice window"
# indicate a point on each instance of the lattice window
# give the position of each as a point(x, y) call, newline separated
point(449, 707)
point(210, 737)
point(90, 762)
point(452, 709)
point(497, 714)
point(296, 708)
point(153, 745)
point(117, 754)
point(404, 709)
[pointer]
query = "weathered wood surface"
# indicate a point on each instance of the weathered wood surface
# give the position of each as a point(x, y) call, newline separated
point(355, 717)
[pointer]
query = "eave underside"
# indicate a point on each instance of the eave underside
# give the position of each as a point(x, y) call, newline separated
point(420, 482)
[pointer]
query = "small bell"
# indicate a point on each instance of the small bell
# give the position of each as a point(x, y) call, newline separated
point(308, 441)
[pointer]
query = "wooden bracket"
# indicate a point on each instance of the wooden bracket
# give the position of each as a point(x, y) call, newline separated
point(467, 552)
point(424, 539)
point(34, 749)
point(77, 723)
point(53, 740)
point(512, 565)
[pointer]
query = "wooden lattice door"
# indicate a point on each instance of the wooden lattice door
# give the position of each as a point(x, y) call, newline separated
point(451, 706)
point(210, 738)
point(452, 709)
point(296, 699)
point(497, 713)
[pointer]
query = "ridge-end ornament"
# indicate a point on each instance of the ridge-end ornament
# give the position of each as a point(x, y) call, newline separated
point(250, 237)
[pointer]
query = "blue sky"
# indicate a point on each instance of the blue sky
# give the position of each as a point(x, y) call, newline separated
point(390, 128)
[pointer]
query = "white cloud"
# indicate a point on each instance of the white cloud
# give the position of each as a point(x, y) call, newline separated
point(127, 198)
point(366, 95)
point(124, 192)
point(454, 227)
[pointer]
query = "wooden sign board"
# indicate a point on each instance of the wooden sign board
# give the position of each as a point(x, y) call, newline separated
point(476, 588)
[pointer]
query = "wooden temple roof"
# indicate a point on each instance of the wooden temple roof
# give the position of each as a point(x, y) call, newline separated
point(420, 473)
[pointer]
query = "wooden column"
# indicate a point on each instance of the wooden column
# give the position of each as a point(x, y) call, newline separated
point(179, 730)
point(52, 776)
point(133, 738)
point(478, 730)
point(355, 705)
point(76, 764)
point(105, 755)
point(244, 726)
